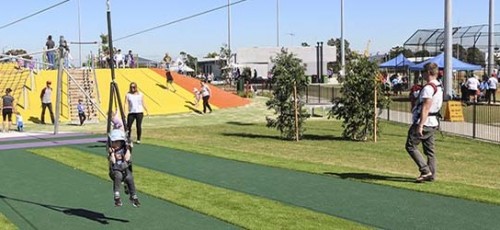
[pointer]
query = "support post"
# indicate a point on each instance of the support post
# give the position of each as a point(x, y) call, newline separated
point(296, 112)
point(59, 85)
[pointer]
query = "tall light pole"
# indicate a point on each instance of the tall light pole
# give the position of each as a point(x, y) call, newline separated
point(277, 23)
point(448, 39)
point(491, 42)
point(229, 29)
point(342, 45)
point(79, 37)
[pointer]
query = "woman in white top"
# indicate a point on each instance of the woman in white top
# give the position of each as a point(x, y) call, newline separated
point(205, 94)
point(134, 101)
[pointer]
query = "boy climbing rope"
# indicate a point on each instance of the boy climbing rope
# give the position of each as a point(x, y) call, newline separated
point(120, 167)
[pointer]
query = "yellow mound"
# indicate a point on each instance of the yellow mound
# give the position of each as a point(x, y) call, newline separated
point(158, 99)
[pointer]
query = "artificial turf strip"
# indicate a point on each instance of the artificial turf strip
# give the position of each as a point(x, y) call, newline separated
point(240, 209)
point(38, 193)
point(452, 189)
point(375, 205)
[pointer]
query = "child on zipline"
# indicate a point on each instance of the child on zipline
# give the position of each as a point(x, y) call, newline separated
point(120, 168)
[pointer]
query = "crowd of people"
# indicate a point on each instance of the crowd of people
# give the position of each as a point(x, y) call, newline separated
point(119, 59)
point(474, 90)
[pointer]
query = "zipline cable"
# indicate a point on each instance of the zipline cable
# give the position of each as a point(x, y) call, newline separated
point(33, 14)
point(180, 20)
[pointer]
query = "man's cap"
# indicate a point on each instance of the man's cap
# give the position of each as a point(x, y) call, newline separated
point(49, 82)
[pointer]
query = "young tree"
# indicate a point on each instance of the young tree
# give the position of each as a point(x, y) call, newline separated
point(475, 56)
point(356, 107)
point(288, 72)
point(104, 43)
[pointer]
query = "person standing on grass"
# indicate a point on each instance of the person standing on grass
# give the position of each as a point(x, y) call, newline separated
point(473, 86)
point(46, 97)
point(425, 123)
point(136, 107)
point(205, 95)
point(492, 88)
point(8, 107)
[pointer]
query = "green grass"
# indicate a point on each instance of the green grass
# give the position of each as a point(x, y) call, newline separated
point(466, 169)
point(5, 224)
point(234, 207)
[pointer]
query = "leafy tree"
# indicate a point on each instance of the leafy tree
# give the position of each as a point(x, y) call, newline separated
point(304, 44)
point(422, 53)
point(104, 43)
point(459, 52)
point(246, 74)
point(356, 107)
point(349, 55)
point(212, 55)
point(475, 56)
point(288, 70)
point(224, 52)
point(191, 61)
point(17, 52)
point(395, 51)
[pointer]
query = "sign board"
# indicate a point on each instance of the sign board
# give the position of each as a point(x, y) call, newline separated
point(454, 111)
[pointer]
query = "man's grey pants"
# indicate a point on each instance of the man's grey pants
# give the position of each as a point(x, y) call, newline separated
point(427, 140)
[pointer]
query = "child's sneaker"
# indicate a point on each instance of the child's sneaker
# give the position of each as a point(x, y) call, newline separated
point(135, 201)
point(118, 202)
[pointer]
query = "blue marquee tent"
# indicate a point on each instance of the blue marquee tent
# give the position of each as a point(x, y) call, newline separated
point(439, 60)
point(399, 61)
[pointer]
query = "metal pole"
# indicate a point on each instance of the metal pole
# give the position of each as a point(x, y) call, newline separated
point(229, 29)
point(277, 23)
point(59, 85)
point(112, 68)
point(79, 37)
point(296, 111)
point(491, 54)
point(448, 50)
point(110, 42)
point(474, 119)
point(321, 60)
point(317, 62)
point(342, 48)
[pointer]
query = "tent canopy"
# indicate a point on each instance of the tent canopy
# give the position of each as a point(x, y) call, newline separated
point(183, 68)
point(399, 61)
point(439, 60)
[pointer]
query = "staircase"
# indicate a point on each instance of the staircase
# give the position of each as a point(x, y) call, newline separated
point(15, 79)
point(86, 80)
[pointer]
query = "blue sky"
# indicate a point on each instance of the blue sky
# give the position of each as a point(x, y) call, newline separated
point(386, 23)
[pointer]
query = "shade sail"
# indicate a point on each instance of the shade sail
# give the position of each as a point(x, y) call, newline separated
point(439, 60)
point(399, 61)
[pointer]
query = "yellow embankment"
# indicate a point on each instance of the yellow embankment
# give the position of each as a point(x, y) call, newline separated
point(157, 98)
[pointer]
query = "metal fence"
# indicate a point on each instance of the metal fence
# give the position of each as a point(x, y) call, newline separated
point(321, 94)
point(481, 120)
